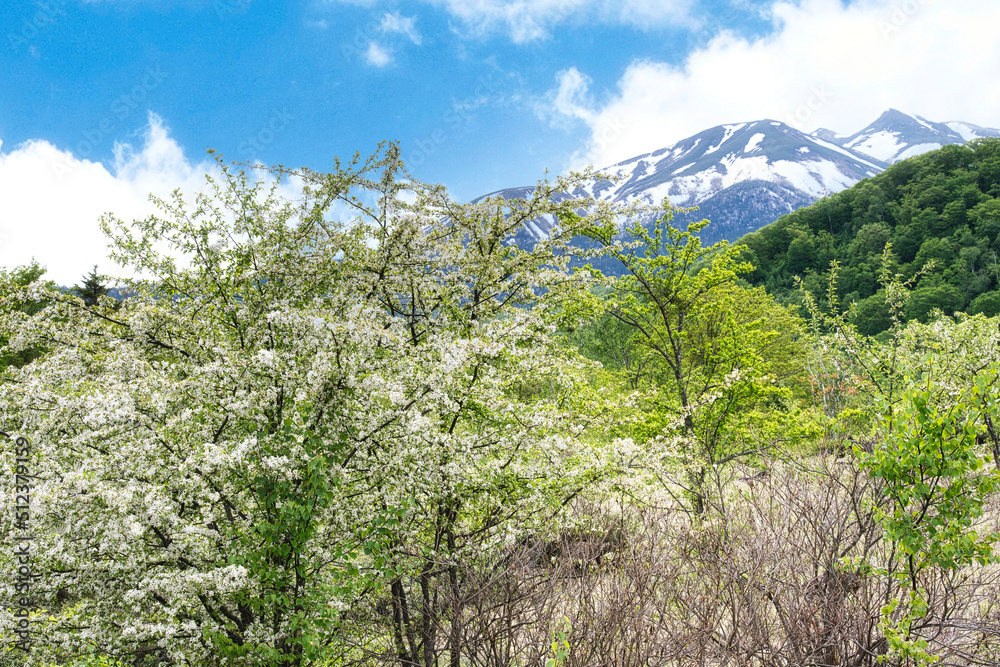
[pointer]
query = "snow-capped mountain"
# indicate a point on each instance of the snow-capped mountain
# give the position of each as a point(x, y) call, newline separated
point(741, 177)
point(746, 175)
point(895, 136)
point(701, 166)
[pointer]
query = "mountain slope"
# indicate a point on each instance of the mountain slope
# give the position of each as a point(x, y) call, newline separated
point(745, 175)
point(895, 136)
point(741, 176)
point(940, 211)
point(701, 166)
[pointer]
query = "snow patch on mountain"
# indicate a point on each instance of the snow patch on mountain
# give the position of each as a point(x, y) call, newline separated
point(913, 151)
point(736, 168)
point(968, 131)
point(964, 130)
point(816, 179)
point(537, 231)
point(745, 175)
point(730, 131)
point(882, 145)
point(754, 142)
point(854, 155)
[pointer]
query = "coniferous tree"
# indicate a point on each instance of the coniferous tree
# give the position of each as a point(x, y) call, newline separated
point(92, 288)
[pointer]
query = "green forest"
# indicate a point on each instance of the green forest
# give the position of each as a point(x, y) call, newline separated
point(362, 427)
point(939, 211)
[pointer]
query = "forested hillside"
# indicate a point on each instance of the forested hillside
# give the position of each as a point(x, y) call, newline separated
point(941, 213)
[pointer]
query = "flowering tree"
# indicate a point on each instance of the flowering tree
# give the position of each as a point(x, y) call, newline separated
point(286, 448)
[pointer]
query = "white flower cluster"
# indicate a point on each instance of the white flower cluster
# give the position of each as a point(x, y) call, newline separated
point(284, 394)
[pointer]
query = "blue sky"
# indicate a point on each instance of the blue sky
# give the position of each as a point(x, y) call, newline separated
point(300, 82)
point(102, 101)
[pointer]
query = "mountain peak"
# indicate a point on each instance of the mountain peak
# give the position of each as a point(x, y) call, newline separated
point(745, 175)
point(893, 114)
point(897, 135)
point(896, 120)
point(828, 135)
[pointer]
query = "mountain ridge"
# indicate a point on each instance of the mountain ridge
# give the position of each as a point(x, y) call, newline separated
point(743, 176)
point(896, 135)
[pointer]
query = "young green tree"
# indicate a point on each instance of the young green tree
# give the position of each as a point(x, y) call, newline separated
point(293, 449)
point(681, 303)
point(930, 393)
point(936, 481)
point(608, 340)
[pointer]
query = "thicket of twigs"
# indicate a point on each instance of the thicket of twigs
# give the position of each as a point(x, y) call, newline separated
point(763, 583)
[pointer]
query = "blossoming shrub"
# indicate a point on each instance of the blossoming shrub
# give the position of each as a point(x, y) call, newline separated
point(311, 416)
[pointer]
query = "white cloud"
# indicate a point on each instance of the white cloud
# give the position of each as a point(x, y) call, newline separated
point(644, 13)
point(569, 101)
point(50, 200)
point(824, 65)
point(530, 20)
point(570, 97)
point(377, 55)
point(403, 25)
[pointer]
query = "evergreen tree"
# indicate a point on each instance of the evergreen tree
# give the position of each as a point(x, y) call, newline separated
point(92, 289)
